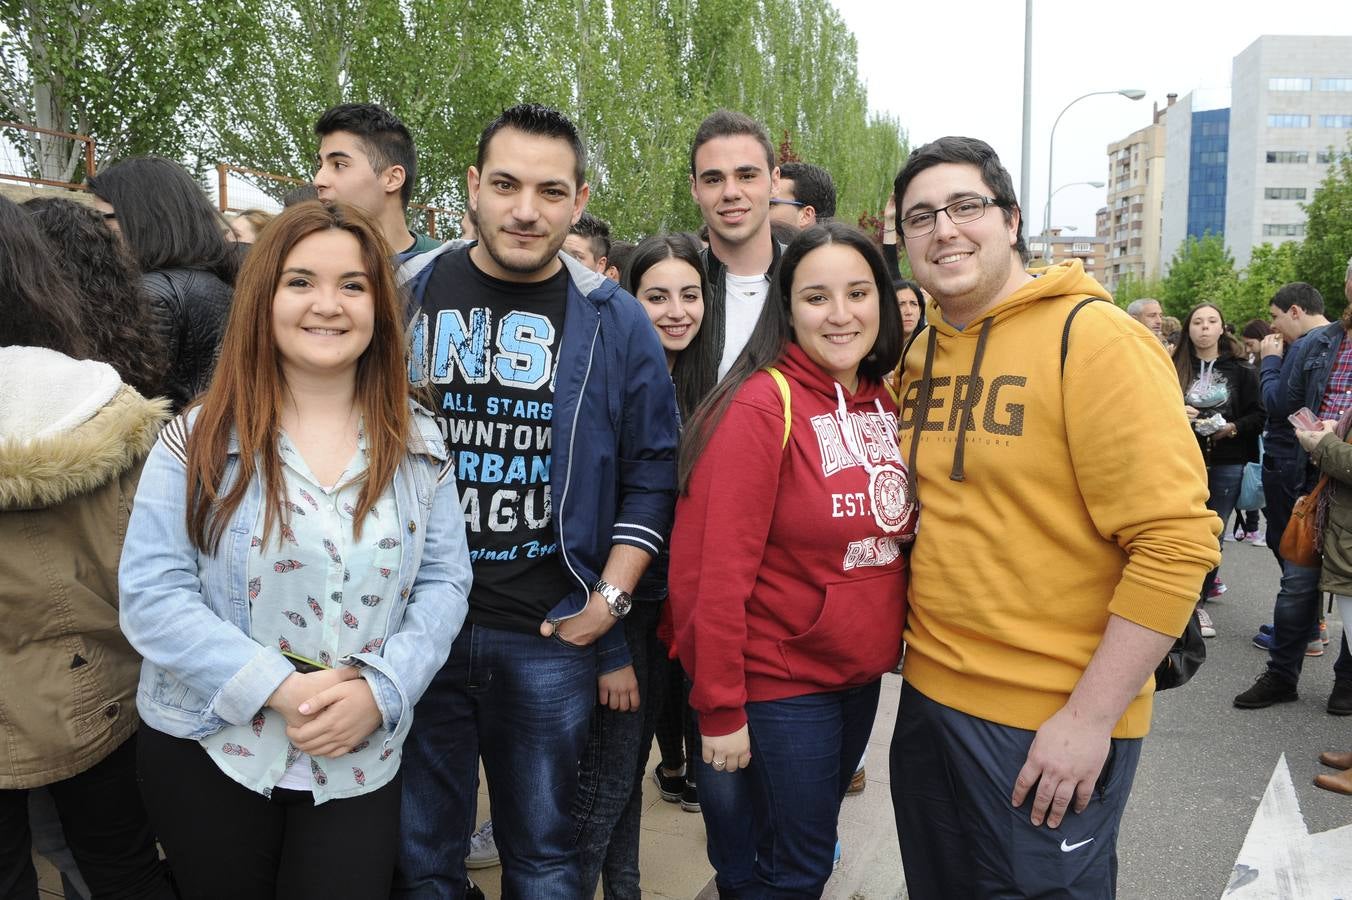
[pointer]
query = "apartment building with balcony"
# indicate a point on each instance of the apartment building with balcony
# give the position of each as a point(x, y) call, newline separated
point(1090, 250)
point(1130, 223)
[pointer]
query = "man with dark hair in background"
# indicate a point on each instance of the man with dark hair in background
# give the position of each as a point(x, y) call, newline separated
point(560, 419)
point(588, 242)
point(732, 178)
point(366, 158)
point(806, 195)
point(1299, 362)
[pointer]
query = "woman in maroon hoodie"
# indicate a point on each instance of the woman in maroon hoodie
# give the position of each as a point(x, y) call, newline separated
point(787, 577)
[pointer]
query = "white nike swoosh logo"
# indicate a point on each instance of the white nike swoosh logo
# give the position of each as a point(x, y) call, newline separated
point(1066, 848)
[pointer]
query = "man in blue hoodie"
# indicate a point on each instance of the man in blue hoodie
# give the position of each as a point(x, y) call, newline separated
point(560, 419)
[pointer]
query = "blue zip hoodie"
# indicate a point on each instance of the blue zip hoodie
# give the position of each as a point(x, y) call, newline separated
point(613, 457)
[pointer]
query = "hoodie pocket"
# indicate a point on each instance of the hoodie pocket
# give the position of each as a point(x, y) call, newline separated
point(856, 636)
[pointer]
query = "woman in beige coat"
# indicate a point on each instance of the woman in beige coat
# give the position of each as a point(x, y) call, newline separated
point(72, 439)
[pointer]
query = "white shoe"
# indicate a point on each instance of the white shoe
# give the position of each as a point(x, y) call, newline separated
point(483, 851)
point(1204, 622)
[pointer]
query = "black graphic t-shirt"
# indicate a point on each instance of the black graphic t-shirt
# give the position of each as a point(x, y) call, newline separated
point(489, 348)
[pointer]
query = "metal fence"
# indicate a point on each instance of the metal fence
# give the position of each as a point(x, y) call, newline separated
point(28, 148)
point(238, 189)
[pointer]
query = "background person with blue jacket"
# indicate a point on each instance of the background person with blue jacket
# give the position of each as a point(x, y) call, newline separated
point(294, 572)
point(560, 419)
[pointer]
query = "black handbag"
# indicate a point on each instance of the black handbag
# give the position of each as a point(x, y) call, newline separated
point(1184, 658)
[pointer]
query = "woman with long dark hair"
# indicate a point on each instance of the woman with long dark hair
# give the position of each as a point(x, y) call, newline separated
point(1220, 396)
point(118, 313)
point(788, 580)
point(177, 240)
point(294, 574)
point(665, 274)
point(73, 436)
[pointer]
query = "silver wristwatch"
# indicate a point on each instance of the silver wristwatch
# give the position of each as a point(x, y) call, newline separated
point(619, 601)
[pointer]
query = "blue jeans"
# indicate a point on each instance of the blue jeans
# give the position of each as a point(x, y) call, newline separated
point(1223, 483)
point(803, 752)
point(610, 793)
point(524, 702)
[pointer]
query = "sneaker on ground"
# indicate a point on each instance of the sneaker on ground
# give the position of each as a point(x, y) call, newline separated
point(1232, 536)
point(1315, 648)
point(1257, 538)
point(1204, 623)
point(1263, 640)
point(690, 798)
point(1217, 589)
point(1270, 688)
point(1265, 629)
point(858, 781)
point(668, 785)
point(483, 850)
point(1324, 633)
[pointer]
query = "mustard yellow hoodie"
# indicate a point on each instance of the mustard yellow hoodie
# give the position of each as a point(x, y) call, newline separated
point(1060, 499)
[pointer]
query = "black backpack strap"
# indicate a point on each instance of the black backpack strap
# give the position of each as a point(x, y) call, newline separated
point(1065, 332)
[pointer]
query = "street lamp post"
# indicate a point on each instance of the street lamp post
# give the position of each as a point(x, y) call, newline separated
point(1129, 93)
point(1047, 216)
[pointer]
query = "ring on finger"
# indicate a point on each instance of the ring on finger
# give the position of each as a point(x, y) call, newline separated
point(720, 764)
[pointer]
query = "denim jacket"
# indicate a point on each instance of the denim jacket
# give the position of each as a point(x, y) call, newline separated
point(187, 613)
point(613, 457)
point(1312, 361)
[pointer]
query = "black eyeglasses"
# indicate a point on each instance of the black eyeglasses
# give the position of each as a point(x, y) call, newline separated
point(775, 202)
point(968, 209)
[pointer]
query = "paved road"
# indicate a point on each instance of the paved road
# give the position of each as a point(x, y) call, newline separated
point(1206, 764)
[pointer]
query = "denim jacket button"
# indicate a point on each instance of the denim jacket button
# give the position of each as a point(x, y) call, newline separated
point(412, 526)
point(111, 710)
point(404, 593)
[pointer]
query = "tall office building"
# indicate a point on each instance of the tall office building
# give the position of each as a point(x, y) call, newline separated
point(1291, 103)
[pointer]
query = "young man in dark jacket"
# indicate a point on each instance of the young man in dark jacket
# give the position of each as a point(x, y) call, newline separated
point(561, 421)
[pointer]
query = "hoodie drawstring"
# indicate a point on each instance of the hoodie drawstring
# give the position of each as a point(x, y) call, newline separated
point(922, 401)
point(965, 421)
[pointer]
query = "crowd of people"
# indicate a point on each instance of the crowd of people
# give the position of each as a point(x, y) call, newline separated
point(310, 517)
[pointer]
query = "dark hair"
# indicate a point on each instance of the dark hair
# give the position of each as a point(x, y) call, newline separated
point(773, 333)
point(693, 381)
point(1185, 353)
point(1298, 293)
point(542, 121)
point(594, 230)
point(38, 305)
point(115, 315)
point(727, 123)
point(300, 194)
point(243, 404)
point(384, 138)
point(971, 151)
point(812, 185)
point(783, 232)
point(165, 218)
point(620, 254)
point(906, 284)
point(1256, 329)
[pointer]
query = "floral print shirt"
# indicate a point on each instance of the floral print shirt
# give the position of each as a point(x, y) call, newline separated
point(317, 591)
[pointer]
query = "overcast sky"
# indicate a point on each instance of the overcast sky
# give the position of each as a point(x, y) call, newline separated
point(957, 68)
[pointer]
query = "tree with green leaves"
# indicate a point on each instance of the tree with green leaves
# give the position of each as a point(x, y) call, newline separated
point(135, 75)
point(1323, 255)
point(1202, 271)
point(1269, 268)
point(1131, 288)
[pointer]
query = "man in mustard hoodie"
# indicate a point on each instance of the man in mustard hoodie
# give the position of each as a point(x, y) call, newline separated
point(1063, 539)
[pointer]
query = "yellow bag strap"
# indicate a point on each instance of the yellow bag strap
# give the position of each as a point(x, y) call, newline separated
point(784, 395)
